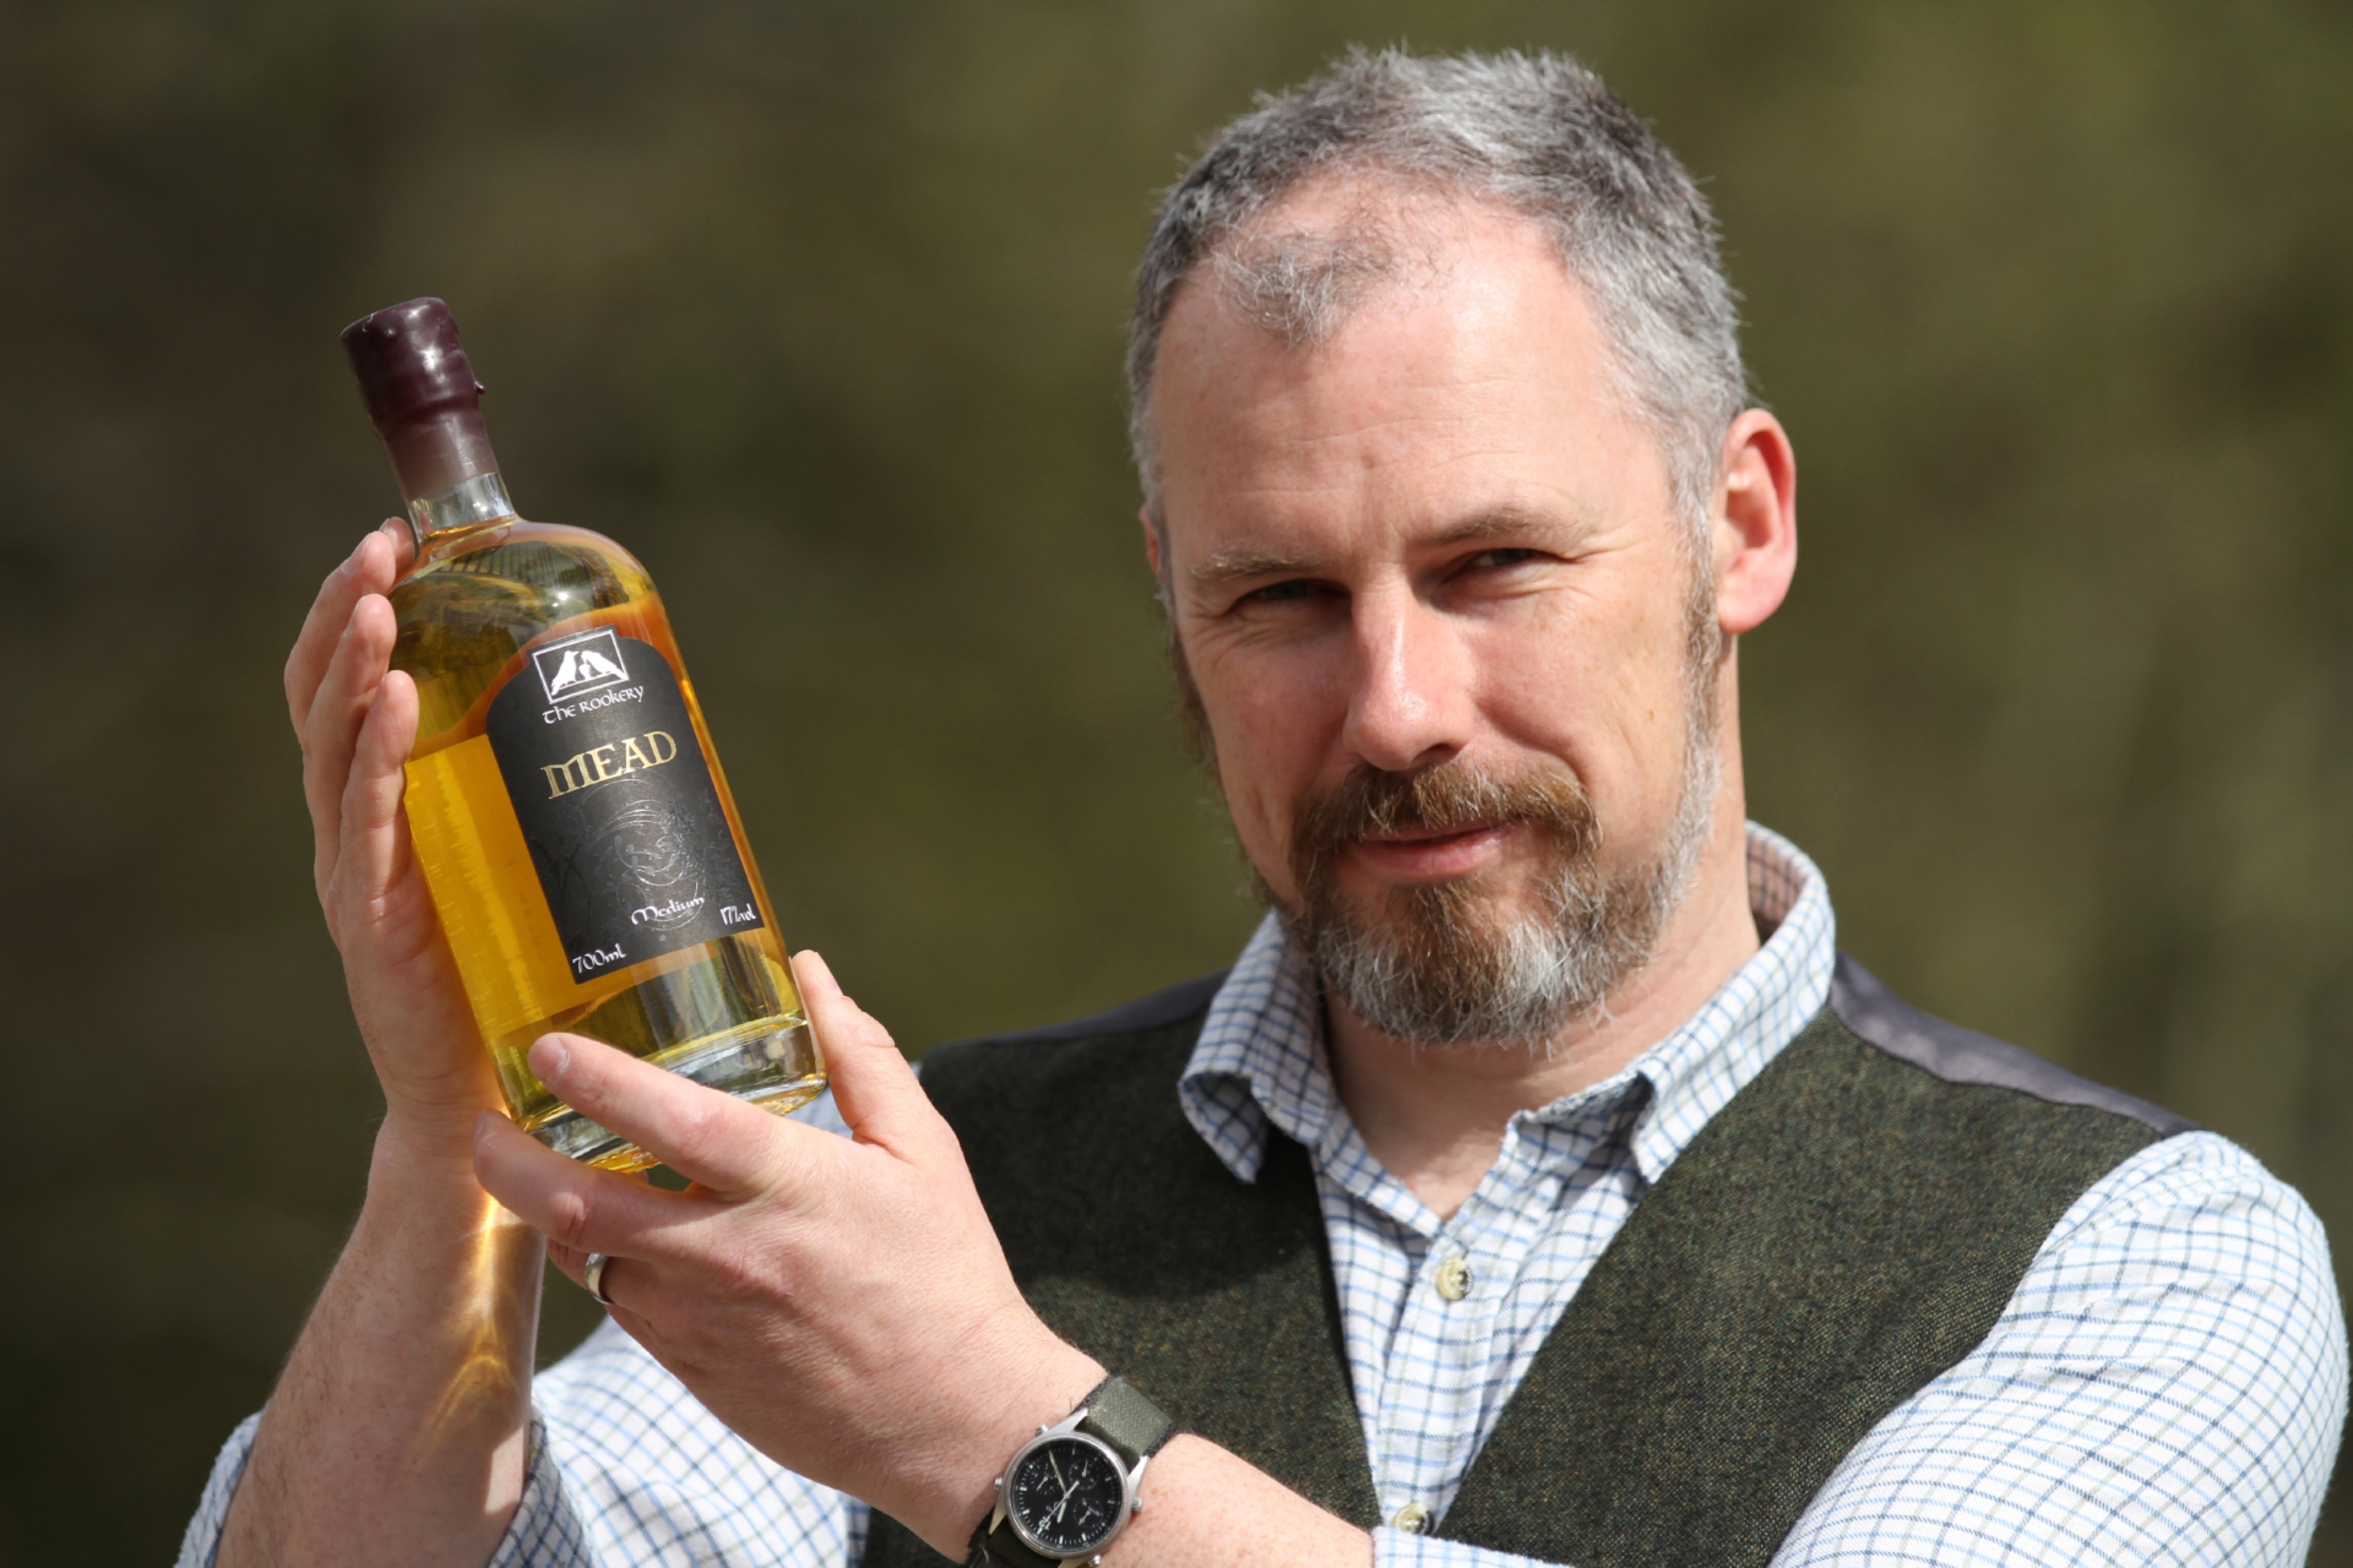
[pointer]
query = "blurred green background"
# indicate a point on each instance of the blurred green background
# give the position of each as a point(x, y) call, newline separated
point(818, 307)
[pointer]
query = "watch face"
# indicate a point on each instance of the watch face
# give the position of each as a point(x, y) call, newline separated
point(1066, 1494)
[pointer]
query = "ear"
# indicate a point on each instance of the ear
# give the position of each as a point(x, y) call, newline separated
point(1151, 540)
point(1755, 522)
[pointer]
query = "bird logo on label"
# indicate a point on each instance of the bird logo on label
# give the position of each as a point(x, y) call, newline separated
point(581, 665)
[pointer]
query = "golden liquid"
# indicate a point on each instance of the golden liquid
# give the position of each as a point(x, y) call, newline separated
point(724, 1012)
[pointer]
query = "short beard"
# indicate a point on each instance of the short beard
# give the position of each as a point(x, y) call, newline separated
point(1437, 965)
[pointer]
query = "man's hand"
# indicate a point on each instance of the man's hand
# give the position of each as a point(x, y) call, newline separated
point(356, 719)
point(399, 1431)
point(842, 1304)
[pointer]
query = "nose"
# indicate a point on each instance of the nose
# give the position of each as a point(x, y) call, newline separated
point(1411, 706)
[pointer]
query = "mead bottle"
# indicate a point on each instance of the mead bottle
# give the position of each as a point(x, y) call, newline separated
point(564, 798)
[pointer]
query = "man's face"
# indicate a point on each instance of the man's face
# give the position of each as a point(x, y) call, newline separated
point(1428, 580)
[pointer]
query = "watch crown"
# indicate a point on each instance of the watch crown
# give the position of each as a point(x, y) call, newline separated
point(1043, 1430)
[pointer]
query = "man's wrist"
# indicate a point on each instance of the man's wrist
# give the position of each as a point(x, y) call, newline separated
point(1062, 1380)
point(416, 1152)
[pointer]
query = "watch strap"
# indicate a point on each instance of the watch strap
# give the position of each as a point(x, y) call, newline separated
point(1131, 1424)
point(1000, 1548)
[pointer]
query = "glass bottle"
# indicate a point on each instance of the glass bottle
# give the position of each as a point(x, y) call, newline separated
point(564, 798)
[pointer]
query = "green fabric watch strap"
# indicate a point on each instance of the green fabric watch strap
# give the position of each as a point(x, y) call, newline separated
point(1129, 1423)
point(1000, 1548)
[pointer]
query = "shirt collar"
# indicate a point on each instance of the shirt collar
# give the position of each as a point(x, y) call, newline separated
point(1261, 1062)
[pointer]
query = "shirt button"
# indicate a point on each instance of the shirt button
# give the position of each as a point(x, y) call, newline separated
point(1453, 1280)
point(1412, 1518)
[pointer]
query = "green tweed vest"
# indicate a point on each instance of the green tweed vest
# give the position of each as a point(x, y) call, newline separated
point(1848, 1228)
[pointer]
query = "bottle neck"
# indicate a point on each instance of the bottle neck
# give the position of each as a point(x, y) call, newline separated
point(442, 458)
point(467, 504)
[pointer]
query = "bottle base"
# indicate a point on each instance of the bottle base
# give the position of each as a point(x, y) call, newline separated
point(757, 1066)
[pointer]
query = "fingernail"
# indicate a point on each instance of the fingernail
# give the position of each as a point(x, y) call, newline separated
point(820, 972)
point(550, 1056)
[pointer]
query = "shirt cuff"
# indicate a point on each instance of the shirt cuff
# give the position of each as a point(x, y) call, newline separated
point(202, 1542)
point(1406, 1549)
point(546, 1532)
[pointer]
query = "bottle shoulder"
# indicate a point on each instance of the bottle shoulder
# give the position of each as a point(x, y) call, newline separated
point(521, 576)
point(502, 548)
point(472, 604)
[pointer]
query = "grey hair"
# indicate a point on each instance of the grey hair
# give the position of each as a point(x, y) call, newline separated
point(1539, 134)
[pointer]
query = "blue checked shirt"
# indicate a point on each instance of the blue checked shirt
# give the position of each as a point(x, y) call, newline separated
point(2167, 1385)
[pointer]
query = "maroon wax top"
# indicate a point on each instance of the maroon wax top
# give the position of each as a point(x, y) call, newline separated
point(410, 364)
point(422, 395)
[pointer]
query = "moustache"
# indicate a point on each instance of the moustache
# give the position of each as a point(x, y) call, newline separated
point(1449, 798)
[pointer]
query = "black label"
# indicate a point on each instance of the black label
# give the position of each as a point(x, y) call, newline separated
point(617, 804)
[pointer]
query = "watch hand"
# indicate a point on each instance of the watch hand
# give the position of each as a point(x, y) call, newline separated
point(1056, 1466)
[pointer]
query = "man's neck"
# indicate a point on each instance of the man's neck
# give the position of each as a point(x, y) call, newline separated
point(1434, 1117)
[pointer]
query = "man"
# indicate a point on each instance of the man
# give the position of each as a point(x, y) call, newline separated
point(1539, 1183)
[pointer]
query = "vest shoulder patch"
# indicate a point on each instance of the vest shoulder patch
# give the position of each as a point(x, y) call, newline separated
point(1958, 1056)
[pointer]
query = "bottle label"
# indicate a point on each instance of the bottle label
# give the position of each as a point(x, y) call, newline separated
point(616, 803)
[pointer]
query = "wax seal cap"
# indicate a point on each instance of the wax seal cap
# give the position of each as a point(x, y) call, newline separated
point(410, 363)
point(421, 394)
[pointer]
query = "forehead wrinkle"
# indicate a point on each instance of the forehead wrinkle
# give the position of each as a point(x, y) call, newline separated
point(1408, 407)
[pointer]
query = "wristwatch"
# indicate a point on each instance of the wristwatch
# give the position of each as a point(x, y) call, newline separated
point(1070, 1489)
